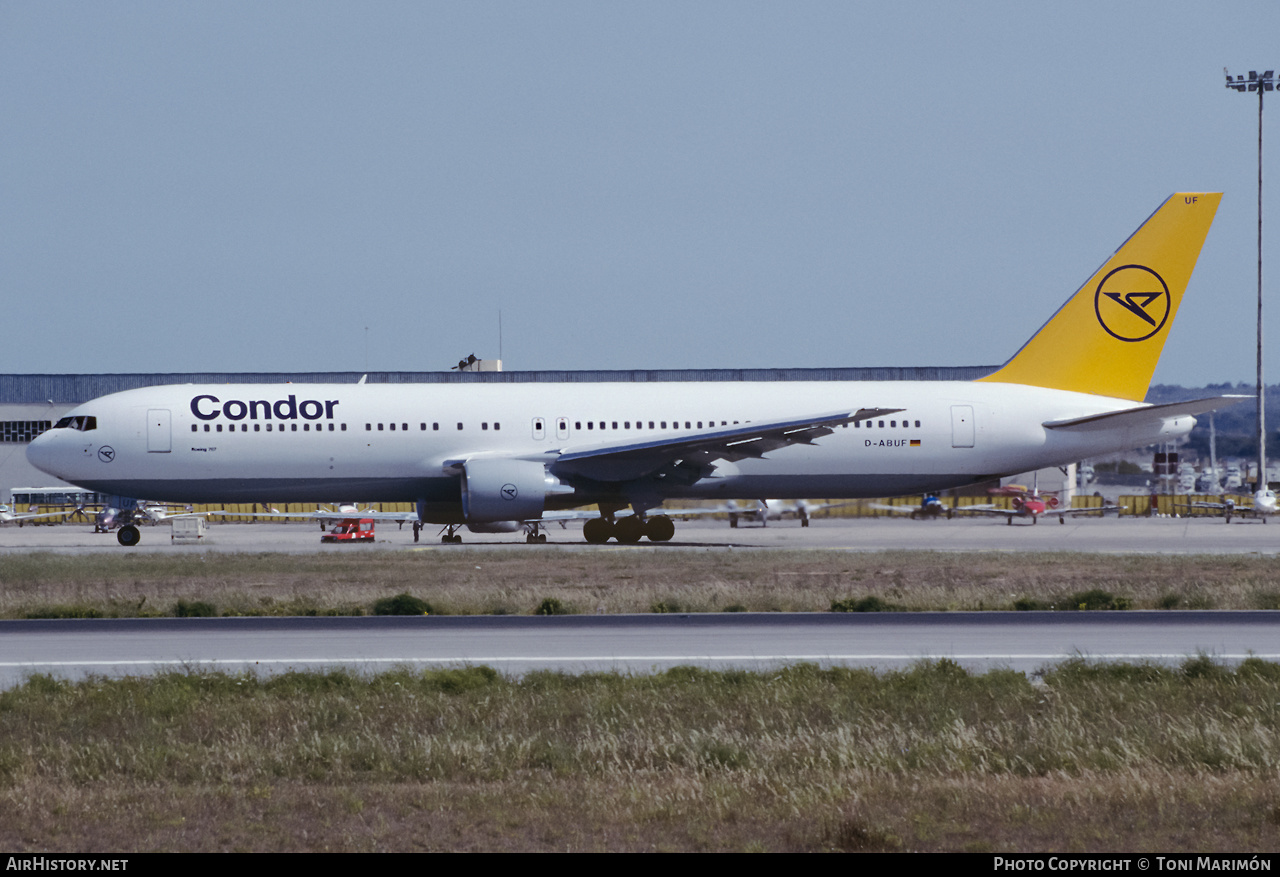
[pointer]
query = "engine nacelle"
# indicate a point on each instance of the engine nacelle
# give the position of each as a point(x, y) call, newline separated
point(506, 490)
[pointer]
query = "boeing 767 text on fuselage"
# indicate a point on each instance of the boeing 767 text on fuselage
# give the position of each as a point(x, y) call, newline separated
point(478, 454)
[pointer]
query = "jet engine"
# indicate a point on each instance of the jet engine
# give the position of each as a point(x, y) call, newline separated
point(506, 490)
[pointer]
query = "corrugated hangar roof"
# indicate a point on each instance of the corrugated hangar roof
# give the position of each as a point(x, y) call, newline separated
point(31, 389)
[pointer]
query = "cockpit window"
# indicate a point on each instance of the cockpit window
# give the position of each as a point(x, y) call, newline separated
point(82, 422)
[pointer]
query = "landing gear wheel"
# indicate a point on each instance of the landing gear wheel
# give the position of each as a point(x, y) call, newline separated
point(1062, 519)
point(629, 530)
point(128, 536)
point(660, 528)
point(597, 531)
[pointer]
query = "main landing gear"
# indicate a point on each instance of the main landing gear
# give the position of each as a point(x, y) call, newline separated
point(629, 530)
point(450, 537)
point(128, 536)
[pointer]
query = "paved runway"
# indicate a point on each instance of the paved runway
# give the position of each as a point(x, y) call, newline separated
point(1025, 641)
point(1109, 535)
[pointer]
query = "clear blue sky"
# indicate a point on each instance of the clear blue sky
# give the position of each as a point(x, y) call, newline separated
point(249, 185)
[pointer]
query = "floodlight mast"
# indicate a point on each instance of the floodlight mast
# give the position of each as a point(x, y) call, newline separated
point(1260, 84)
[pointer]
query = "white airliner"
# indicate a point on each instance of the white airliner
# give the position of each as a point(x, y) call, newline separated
point(485, 453)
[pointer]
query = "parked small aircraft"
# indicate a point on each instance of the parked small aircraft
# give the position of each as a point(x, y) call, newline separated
point(127, 520)
point(1264, 504)
point(1034, 505)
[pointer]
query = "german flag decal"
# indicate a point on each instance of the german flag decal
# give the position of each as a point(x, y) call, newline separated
point(915, 443)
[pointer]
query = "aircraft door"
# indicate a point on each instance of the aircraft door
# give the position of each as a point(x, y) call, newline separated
point(961, 426)
point(562, 428)
point(158, 434)
point(539, 429)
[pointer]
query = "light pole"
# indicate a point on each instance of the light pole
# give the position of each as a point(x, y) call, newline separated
point(1259, 84)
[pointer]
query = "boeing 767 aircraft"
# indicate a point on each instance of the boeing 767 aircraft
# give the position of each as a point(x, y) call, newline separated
point(491, 452)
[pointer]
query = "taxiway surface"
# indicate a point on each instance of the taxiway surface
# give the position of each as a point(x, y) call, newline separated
point(1025, 641)
point(1111, 535)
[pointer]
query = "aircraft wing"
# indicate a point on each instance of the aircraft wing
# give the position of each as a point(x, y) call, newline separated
point(1081, 511)
point(33, 516)
point(1144, 414)
point(991, 510)
point(689, 456)
point(901, 509)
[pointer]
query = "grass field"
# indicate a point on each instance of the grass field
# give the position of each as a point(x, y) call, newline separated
point(1089, 758)
point(518, 582)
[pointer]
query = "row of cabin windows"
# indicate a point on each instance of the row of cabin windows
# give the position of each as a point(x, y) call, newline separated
point(626, 424)
point(422, 427)
point(662, 424)
point(257, 427)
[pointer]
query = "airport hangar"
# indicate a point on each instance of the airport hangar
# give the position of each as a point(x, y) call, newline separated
point(30, 404)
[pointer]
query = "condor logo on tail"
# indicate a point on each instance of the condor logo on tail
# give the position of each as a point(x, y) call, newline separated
point(1143, 300)
point(1089, 346)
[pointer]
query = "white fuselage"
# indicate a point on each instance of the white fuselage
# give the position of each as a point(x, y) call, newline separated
point(329, 442)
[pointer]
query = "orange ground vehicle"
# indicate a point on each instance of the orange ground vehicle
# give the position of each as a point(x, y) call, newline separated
point(350, 530)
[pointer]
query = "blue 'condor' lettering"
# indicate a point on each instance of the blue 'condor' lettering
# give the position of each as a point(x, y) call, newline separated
point(205, 407)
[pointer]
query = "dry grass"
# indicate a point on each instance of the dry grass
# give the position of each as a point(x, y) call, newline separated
point(1090, 758)
point(517, 581)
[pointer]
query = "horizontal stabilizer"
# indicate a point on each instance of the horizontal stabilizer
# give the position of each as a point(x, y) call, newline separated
point(1144, 414)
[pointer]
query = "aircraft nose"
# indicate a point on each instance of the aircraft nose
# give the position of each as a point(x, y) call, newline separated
point(41, 453)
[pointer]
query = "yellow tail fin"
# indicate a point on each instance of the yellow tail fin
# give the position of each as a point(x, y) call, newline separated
point(1107, 338)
